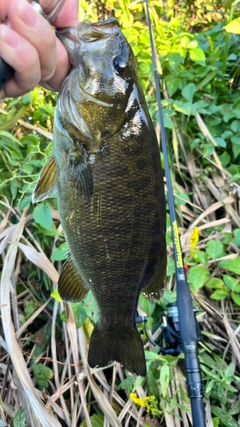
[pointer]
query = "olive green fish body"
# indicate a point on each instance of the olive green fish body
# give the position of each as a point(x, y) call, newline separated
point(110, 190)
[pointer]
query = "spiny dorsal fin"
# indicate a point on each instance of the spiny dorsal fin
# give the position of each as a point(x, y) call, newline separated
point(46, 185)
point(71, 287)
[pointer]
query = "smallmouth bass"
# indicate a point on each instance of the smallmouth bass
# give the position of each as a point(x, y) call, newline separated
point(107, 173)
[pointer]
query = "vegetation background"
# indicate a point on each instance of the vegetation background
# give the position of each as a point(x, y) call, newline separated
point(44, 376)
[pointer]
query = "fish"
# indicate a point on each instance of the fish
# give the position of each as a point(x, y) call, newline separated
point(107, 173)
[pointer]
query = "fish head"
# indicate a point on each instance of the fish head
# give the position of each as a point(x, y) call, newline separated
point(95, 94)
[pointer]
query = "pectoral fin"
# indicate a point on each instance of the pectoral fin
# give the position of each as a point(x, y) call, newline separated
point(71, 287)
point(46, 185)
point(80, 170)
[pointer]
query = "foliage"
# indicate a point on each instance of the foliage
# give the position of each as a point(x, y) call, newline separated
point(200, 97)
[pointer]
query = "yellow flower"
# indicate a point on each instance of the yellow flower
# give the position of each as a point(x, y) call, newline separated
point(194, 239)
point(148, 402)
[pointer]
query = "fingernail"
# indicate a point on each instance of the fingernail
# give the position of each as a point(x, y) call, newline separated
point(29, 16)
point(9, 36)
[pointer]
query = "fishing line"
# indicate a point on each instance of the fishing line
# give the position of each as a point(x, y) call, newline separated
point(187, 323)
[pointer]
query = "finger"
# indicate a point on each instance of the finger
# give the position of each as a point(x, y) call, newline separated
point(23, 57)
point(68, 16)
point(35, 29)
point(63, 67)
point(4, 9)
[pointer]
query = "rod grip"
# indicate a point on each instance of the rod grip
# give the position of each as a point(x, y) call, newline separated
point(194, 385)
point(193, 372)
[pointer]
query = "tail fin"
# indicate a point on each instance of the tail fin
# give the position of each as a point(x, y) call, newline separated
point(126, 348)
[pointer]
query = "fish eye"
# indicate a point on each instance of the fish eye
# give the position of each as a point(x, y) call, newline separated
point(120, 64)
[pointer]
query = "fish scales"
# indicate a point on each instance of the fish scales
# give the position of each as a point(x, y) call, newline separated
point(107, 173)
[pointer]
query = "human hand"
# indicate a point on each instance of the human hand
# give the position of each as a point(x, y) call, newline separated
point(30, 46)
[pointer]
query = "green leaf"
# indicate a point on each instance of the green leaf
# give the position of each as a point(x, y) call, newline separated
point(126, 383)
point(231, 282)
point(215, 283)
point(164, 379)
point(237, 237)
point(168, 297)
point(11, 140)
point(198, 276)
point(56, 296)
point(197, 55)
point(188, 92)
point(192, 44)
point(235, 178)
point(186, 108)
point(225, 418)
point(210, 76)
point(233, 27)
point(208, 150)
point(220, 294)
point(200, 256)
point(167, 114)
point(174, 61)
point(185, 40)
point(228, 372)
point(172, 83)
point(60, 253)
point(150, 355)
point(216, 422)
point(225, 159)
point(42, 215)
point(220, 142)
point(80, 314)
point(232, 265)
point(235, 126)
point(207, 360)
point(209, 387)
point(235, 140)
point(236, 298)
point(79, 311)
point(27, 98)
point(227, 238)
point(42, 374)
point(153, 383)
point(20, 418)
point(138, 381)
point(215, 249)
point(146, 305)
point(236, 149)
point(14, 187)
point(96, 421)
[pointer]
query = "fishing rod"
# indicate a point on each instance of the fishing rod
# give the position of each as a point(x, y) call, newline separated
point(183, 311)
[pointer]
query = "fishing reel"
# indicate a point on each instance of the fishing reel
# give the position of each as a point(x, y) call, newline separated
point(170, 334)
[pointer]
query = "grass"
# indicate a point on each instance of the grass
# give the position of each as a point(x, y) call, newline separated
point(70, 391)
point(44, 376)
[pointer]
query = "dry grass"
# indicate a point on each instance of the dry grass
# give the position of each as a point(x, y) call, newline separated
point(76, 391)
point(75, 388)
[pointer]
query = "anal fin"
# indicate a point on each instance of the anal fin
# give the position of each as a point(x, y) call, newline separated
point(46, 185)
point(71, 287)
point(154, 288)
